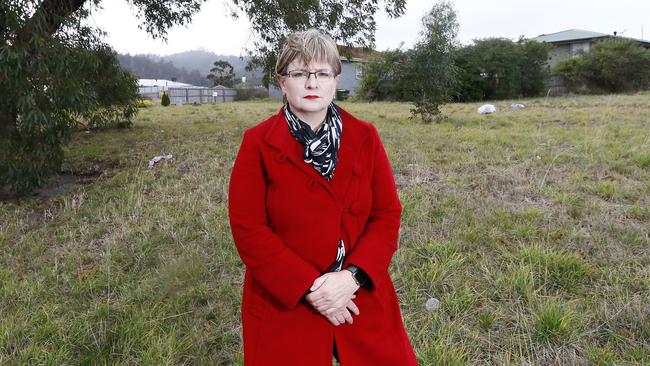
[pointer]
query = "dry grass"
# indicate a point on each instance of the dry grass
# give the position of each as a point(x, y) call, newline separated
point(531, 227)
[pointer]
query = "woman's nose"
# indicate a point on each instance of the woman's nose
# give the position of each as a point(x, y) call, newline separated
point(311, 81)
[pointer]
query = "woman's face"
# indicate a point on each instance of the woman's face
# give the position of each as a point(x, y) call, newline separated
point(312, 95)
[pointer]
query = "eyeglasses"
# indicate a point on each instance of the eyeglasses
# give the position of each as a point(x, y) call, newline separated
point(303, 75)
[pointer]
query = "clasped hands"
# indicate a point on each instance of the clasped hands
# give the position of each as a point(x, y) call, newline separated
point(332, 295)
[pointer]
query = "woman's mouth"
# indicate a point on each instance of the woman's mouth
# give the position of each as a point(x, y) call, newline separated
point(311, 97)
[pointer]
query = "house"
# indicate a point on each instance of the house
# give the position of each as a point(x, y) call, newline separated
point(571, 42)
point(351, 60)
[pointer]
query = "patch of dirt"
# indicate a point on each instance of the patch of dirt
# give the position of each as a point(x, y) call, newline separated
point(65, 181)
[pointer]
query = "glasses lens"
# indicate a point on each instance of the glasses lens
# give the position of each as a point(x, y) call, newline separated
point(298, 74)
point(324, 75)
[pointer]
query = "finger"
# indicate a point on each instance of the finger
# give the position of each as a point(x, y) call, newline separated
point(317, 283)
point(348, 317)
point(353, 307)
point(335, 321)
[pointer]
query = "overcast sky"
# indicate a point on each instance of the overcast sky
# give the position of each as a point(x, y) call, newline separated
point(212, 29)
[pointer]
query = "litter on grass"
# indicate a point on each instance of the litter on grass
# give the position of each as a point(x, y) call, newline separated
point(158, 158)
point(516, 106)
point(487, 109)
point(432, 304)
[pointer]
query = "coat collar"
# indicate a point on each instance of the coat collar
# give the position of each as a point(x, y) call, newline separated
point(353, 135)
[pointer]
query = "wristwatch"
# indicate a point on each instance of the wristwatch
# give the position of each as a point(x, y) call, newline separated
point(359, 276)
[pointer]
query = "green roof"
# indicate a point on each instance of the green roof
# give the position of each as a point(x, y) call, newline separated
point(568, 35)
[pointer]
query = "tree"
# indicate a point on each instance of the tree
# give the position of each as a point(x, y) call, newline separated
point(164, 101)
point(222, 74)
point(60, 73)
point(379, 81)
point(498, 68)
point(351, 22)
point(429, 73)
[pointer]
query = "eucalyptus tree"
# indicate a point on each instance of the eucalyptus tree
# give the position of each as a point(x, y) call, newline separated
point(55, 71)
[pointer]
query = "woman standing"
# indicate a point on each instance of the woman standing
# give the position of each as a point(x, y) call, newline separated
point(315, 215)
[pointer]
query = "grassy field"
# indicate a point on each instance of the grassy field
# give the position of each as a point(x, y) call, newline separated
point(530, 226)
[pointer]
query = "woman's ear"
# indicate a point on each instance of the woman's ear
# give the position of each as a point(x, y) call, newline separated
point(281, 81)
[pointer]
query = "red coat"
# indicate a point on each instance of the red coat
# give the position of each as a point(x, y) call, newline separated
point(286, 220)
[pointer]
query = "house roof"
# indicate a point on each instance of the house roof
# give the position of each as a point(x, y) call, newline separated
point(162, 82)
point(568, 35)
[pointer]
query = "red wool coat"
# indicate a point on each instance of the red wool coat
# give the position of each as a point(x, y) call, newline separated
point(287, 219)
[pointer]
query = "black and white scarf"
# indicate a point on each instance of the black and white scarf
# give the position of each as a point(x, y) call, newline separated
point(321, 148)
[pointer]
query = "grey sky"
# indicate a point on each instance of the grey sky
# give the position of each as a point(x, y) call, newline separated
point(213, 30)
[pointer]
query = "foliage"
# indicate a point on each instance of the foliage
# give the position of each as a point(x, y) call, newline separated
point(57, 82)
point(144, 103)
point(379, 80)
point(251, 92)
point(498, 68)
point(59, 70)
point(222, 74)
point(428, 71)
point(164, 101)
point(348, 21)
point(613, 65)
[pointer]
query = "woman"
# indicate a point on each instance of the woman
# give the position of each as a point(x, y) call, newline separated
point(314, 214)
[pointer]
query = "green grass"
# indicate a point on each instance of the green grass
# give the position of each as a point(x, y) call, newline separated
point(531, 227)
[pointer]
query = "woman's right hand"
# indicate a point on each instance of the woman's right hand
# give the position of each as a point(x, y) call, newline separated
point(343, 315)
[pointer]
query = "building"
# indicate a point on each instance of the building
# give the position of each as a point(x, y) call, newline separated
point(571, 42)
point(351, 60)
point(181, 93)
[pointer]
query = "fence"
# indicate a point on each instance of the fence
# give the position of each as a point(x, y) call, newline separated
point(149, 92)
point(201, 95)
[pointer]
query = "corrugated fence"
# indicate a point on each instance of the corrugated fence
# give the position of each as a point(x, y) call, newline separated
point(201, 95)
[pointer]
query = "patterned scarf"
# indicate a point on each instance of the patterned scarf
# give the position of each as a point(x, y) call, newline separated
point(321, 147)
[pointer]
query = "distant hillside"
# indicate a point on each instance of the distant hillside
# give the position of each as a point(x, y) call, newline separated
point(190, 67)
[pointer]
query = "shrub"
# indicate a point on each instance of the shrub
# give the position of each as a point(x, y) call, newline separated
point(144, 103)
point(165, 100)
point(614, 65)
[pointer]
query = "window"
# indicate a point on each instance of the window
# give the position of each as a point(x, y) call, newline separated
point(359, 72)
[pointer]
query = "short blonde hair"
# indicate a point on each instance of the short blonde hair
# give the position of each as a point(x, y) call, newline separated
point(307, 46)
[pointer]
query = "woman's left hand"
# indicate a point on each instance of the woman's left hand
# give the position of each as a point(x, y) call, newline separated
point(332, 291)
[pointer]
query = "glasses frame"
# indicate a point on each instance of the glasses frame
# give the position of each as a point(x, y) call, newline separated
point(309, 73)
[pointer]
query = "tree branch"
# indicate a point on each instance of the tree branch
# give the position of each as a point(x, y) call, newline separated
point(48, 18)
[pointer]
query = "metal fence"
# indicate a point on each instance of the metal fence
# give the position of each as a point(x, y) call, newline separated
point(201, 95)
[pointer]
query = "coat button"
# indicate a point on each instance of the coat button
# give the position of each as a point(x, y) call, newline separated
point(358, 169)
point(311, 184)
point(281, 157)
point(355, 208)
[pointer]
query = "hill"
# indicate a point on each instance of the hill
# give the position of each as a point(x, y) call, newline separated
point(190, 67)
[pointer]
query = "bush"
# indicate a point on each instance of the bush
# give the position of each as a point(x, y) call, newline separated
point(498, 68)
point(251, 93)
point(165, 100)
point(144, 103)
point(614, 65)
point(379, 82)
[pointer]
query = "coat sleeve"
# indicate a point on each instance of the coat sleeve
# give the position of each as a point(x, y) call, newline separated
point(279, 270)
point(378, 242)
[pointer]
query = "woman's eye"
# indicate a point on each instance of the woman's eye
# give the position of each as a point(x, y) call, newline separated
point(298, 74)
point(323, 74)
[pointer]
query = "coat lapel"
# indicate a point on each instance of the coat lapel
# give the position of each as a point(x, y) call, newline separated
point(352, 137)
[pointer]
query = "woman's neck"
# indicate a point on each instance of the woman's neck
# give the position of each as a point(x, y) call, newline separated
point(314, 119)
